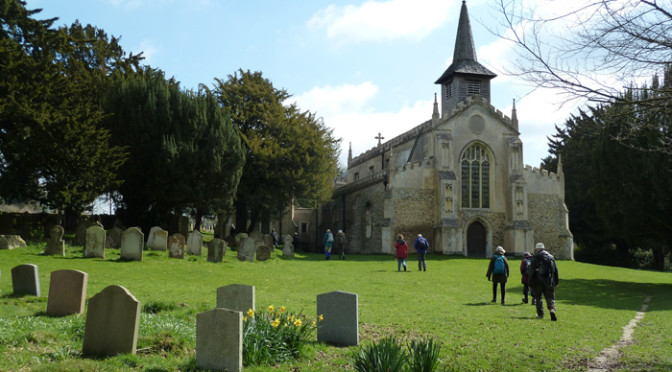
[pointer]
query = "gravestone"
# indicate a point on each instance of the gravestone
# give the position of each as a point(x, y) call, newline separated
point(194, 243)
point(160, 240)
point(287, 246)
point(247, 249)
point(238, 241)
point(257, 235)
point(263, 251)
point(132, 241)
point(219, 340)
point(95, 242)
point(176, 246)
point(26, 280)
point(150, 236)
point(112, 321)
point(340, 325)
point(80, 232)
point(67, 292)
point(183, 225)
point(238, 297)
point(11, 241)
point(55, 244)
point(216, 250)
point(268, 240)
point(114, 238)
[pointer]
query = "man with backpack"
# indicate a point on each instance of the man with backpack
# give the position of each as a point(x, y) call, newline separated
point(328, 241)
point(543, 278)
point(421, 246)
point(499, 270)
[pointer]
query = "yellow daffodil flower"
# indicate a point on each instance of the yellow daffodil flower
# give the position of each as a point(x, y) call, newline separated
point(244, 318)
point(250, 313)
point(298, 322)
point(271, 309)
point(282, 309)
point(275, 323)
point(320, 318)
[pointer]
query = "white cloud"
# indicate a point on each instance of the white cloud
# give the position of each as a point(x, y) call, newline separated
point(386, 20)
point(149, 49)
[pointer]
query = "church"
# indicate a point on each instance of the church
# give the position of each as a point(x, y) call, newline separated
point(458, 178)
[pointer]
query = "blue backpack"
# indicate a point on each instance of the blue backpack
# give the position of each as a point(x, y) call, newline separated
point(499, 265)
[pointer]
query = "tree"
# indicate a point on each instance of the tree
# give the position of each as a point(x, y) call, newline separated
point(52, 146)
point(184, 153)
point(289, 153)
point(594, 50)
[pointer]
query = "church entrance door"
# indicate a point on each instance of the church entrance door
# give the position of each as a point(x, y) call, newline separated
point(476, 240)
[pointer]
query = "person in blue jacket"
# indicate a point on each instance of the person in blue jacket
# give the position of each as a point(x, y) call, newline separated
point(421, 246)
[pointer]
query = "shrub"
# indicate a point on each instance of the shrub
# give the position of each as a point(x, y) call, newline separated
point(387, 355)
point(423, 355)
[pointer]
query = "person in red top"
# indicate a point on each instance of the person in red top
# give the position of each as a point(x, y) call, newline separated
point(402, 252)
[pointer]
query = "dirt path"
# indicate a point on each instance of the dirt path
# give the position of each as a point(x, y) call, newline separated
point(608, 359)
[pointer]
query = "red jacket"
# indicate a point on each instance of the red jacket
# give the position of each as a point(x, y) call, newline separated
point(402, 248)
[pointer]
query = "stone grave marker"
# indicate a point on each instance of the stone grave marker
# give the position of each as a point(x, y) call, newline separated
point(268, 240)
point(160, 240)
point(216, 250)
point(238, 297)
point(238, 241)
point(194, 243)
point(95, 242)
point(150, 236)
point(132, 241)
point(247, 249)
point(55, 244)
point(112, 321)
point(11, 242)
point(176, 246)
point(219, 340)
point(257, 235)
point(80, 232)
point(114, 238)
point(263, 251)
point(340, 325)
point(67, 292)
point(26, 280)
point(287, 246)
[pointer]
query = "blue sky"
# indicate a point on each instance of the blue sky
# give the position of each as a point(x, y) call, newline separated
point(364, 66)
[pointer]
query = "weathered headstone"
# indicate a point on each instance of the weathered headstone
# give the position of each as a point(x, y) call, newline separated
point(26, 280)
point(95, 242)
point(287, 246)
point(55, 244)
point(132, 241)
point(238, 297)
point(268, 240)
point(216, 250)
point(263, 251)
point(160, 241)
point(112, 321)
point(194, 243)
point(176, 246)
point(247, 249)
point(219, 340)
point(257, 235)
point(11, 242)
point(114, 238)
point(340, 324)
point(80, 232)
point(67, 292)
point(238, 241)
point(150, 236)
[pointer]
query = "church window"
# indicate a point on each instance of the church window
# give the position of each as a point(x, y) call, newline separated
point(356, 176)
point(475, 169)
point(304, 227)
point(473, 86)
point(371, 170)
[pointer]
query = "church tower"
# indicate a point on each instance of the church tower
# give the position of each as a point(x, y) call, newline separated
point(465, 76)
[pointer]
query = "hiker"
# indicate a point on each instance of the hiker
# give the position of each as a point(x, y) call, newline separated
point(328, 241)
point(276, 239)
point(524, 264)
point(402, 252)
point(499, 270)
point(340, 244)
point(543, 278)
point(421, 246)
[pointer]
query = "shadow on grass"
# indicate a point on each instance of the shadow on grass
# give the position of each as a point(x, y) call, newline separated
point(614, 294)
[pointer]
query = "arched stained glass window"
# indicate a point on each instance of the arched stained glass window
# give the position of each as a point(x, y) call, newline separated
point(475, 163)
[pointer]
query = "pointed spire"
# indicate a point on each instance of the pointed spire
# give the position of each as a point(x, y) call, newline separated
point(514, 115)
point(464, 42)
point(435, 113)
point(350, 154)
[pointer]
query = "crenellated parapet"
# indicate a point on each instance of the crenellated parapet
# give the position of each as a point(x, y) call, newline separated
point(471, 100)
point(541, 181)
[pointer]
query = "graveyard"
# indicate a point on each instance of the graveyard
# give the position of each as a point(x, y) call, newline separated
point(171, 298)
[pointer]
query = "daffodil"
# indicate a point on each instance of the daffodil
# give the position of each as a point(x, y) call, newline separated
point(271, 309)
point(291, 318)
point(282, 309)
point(314, 324)
point(320, 318)
point(297, 322)
point(250, 313)
point(244, 318)
point(275, 323)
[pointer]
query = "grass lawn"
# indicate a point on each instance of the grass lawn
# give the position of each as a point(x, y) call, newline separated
point(451, 301)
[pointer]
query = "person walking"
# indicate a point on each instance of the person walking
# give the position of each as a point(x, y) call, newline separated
point(276, 238)
point(328, 241)
point(340, 244)
point(498, 269)
point(402, 252)
point(543, 278)
point(421, 246)
point(524, 264)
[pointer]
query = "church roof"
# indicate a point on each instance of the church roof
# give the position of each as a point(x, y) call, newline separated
point(464, 55)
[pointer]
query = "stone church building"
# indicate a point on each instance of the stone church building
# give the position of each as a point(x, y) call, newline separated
point(457, 178)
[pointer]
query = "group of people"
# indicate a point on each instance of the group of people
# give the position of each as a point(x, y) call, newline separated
point(421, 246)
point(337, 243)
point(539, 276)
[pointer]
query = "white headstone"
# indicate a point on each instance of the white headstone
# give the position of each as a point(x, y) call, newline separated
point(160, 240)
point(132, 241)
point(287, 246)
point(95, 242)
point(67, 292)
point(247, 249)
point(194, 243)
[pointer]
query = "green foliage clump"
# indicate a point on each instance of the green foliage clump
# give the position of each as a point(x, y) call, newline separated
point(389, 355)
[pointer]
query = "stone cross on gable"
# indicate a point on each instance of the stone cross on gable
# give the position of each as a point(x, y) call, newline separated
point(379, 138)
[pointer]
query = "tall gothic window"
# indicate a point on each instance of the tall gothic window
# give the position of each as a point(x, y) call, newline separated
point(475, 163)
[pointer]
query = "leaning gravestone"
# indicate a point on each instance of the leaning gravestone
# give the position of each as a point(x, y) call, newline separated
point(67, 292)
point(247, 249)
point(95, 242)
point(160, 241)
point(112, 321)
point(176, 246)
point(216, 250)
point(287, 246)
point(340, 324)
point(11, 241)
point(55, 245)
point(194, 243)
point(132, 241)
point(219, 340)
point(114, 238)
point(25, 280)
point(263, 251)
point(238, 297)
